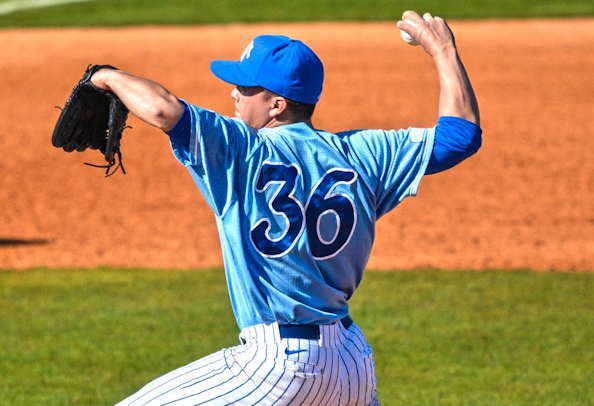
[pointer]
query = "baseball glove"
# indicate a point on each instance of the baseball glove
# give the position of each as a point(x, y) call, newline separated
point(92, 118)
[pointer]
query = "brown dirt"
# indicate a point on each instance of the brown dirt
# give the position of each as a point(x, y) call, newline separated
point(525, 201)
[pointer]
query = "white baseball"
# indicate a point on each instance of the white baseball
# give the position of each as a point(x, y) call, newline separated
point(409, 39)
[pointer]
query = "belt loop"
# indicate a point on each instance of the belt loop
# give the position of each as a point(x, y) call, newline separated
point(276, 332)
point(347, 321)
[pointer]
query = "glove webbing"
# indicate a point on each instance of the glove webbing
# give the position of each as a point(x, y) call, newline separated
point(112, 148)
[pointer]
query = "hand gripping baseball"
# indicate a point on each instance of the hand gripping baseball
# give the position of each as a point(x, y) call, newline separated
point(432, 33)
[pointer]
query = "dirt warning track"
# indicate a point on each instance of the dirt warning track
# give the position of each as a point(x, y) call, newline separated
point(525, 201)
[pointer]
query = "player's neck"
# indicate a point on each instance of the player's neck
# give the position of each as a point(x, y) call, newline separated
point(277, 122)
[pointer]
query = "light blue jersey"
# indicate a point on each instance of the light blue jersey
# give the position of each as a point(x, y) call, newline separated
point(296, 208)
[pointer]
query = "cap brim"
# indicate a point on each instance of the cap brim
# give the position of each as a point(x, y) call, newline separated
point(229, 71)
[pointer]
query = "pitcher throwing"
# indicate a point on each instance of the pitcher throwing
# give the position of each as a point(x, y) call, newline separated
point(296, 209)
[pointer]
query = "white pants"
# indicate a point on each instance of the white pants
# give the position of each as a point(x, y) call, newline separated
point(336, 369)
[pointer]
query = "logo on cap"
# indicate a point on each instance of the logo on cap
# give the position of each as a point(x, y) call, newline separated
point(248, 51)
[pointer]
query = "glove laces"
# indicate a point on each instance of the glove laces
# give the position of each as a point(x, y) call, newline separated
point(111, 164)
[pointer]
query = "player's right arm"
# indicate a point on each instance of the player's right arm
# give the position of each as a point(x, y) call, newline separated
point(458, 132)
point(147, 100)
point(456, 98)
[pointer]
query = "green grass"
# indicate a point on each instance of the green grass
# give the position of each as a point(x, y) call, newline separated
point(92, 337)
point(191, 12)
point(492, 338)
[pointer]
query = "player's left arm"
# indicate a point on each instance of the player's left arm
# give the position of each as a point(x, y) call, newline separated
point(147, 100)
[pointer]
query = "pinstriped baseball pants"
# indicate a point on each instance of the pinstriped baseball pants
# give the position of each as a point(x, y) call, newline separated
point(336, 369)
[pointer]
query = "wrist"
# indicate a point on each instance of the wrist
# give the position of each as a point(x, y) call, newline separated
point(447, 53)
point(101, 78)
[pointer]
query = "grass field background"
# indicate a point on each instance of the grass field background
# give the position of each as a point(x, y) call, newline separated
point(92, 337)
point(190, 12)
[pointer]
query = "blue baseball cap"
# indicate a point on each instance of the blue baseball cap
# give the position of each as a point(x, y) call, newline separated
point(279, 64)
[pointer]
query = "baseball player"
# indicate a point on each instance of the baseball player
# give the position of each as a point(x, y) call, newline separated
point(296, 209)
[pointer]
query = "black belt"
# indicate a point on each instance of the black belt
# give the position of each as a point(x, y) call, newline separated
point(307, 331)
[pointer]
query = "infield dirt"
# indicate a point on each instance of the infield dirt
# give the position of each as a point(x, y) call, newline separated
point(526, 200)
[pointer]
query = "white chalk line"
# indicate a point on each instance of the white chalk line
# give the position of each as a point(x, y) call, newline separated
point(10, 7)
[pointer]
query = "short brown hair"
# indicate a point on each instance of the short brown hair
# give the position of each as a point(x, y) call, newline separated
point(301, 111)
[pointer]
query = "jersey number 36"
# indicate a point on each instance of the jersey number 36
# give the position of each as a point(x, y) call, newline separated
point(322, 201)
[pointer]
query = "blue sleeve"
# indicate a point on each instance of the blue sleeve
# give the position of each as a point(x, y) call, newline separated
point(455, 140)
point(181, 130)
point(209, 145)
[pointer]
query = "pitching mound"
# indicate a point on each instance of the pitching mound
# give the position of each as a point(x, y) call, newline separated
point(525, 201)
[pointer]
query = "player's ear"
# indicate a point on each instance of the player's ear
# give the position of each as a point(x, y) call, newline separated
point(278, 105)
